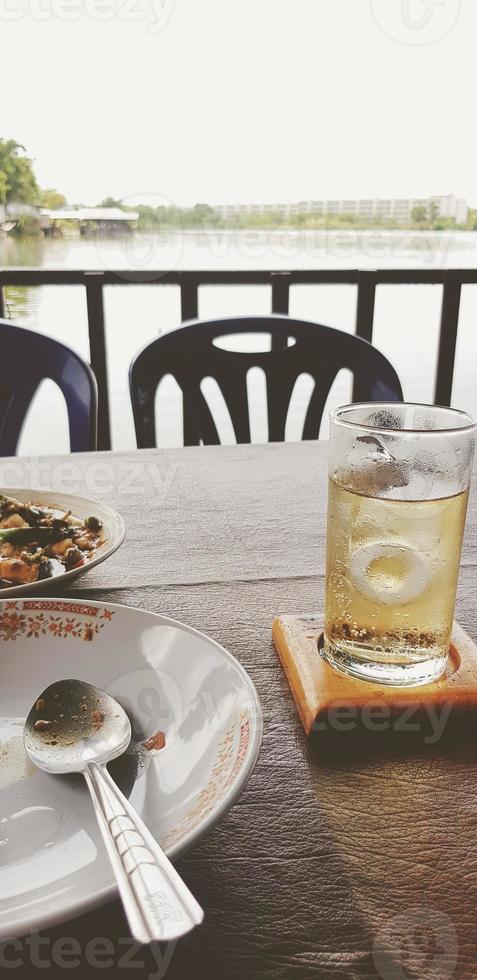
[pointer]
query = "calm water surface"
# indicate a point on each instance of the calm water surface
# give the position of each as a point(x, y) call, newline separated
point(406, 320)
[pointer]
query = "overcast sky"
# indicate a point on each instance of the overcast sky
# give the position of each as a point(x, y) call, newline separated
point(242, 100)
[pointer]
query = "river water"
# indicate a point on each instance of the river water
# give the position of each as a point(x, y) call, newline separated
point(406, 319)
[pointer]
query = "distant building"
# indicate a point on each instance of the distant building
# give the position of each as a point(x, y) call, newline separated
point(81, 219)
point(16, 209)
point(387, 209)
point(104, 219)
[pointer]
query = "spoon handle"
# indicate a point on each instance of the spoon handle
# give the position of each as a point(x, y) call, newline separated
point(158, 904)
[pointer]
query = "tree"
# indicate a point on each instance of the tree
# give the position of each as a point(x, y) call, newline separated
point(3, 187)
point(149, 219)
point(472, 219)
point(110, 202)
point(419, 214)
point(433, 212)
point(17, 180)
point(201, 215)
point(52, 199)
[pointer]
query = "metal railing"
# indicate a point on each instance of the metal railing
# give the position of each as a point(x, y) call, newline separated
point(280, 282)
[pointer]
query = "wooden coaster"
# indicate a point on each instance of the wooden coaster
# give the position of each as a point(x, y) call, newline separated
point(328, 700)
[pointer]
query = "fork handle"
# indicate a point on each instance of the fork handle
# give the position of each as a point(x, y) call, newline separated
point(157, 903)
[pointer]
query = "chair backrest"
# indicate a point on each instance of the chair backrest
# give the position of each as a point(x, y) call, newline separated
point(26, 359)
point(189, 354)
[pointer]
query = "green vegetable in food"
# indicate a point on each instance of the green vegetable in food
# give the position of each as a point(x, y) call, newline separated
point(26, 535)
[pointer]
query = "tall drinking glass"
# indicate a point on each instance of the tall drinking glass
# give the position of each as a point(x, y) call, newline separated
point(398, 489)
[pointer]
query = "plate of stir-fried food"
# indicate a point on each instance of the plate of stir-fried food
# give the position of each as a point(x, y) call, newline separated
point(46, 535)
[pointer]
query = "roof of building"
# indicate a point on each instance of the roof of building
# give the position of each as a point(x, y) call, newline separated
point(89, 214)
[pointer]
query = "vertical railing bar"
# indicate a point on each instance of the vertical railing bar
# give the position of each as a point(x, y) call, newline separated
point(365, 305)
point(2, 303)
point(189, 298)
point(364, 316)
point(97, 346)
point(189, 311)
point(280, 304)
point(449, 326)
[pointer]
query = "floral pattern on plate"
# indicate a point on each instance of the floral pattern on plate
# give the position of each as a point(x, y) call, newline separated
point(15, 622)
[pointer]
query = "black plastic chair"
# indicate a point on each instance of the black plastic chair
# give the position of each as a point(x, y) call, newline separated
point(190, 355)
point(26, 359)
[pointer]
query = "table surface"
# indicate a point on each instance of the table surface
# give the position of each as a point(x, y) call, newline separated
point(338, 850)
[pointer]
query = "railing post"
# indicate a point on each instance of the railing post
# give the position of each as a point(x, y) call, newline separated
point(364, 316)
point(280, 304)
point(189, 298)
point(447, 338)
point(97, 346)
point(365, 305)
point(2, 303)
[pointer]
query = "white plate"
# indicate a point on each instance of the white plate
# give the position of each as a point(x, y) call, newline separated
point(170, 678)
point(114, 531)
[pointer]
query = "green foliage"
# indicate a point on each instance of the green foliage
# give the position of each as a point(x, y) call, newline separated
point(18, 185)
point(472, 219)
point(111, 202)
point(419, 215)
point(52, 199)
point(199, 217)
point(444, 224)
point(149, 218)
point(203, 216)
point(27, 224)
point(429, 217)
point(3, 187)
point(18, 182)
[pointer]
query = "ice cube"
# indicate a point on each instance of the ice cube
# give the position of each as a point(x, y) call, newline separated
point(372, 469)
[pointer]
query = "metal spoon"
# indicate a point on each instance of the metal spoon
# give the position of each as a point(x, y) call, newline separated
point(75, 727)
